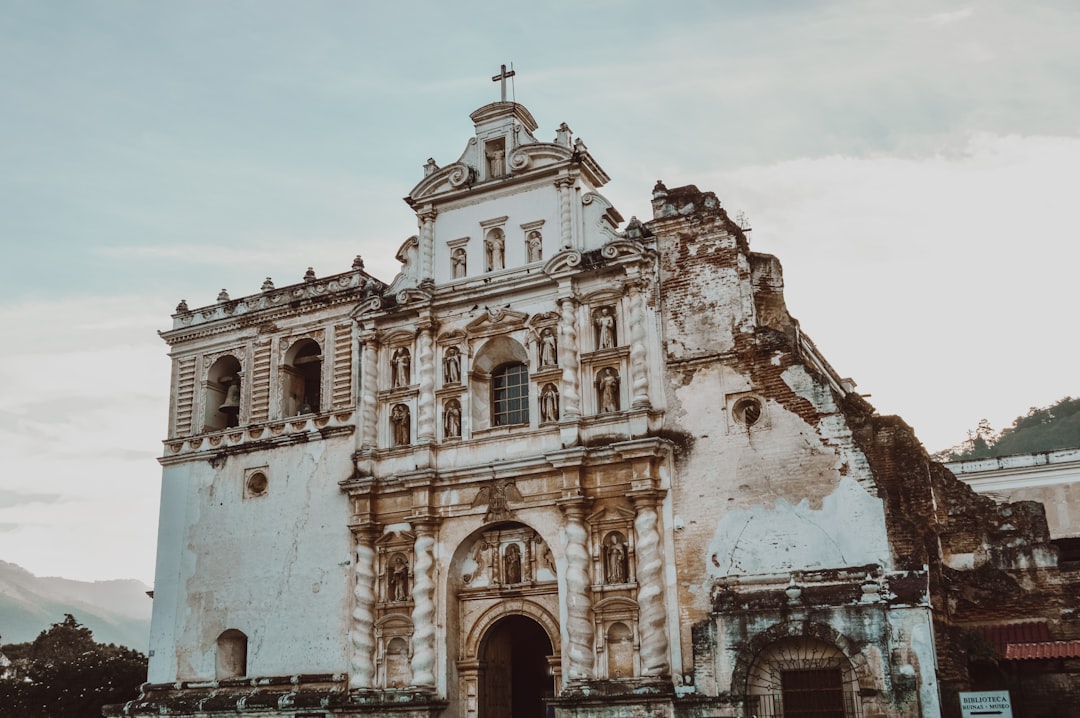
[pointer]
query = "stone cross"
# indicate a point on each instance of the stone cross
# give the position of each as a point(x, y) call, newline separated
point(501, 78)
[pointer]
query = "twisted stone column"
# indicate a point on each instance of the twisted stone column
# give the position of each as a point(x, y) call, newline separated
point(639, 371)
point(425, 420)
point(427, 244)
point(563, 188)
point(568, 359)
point(423, 615)
point(361, 637)
point(579, 624)
point(369, 387)
point(652, 616)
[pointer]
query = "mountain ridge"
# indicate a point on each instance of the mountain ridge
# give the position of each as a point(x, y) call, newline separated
point(116, 610)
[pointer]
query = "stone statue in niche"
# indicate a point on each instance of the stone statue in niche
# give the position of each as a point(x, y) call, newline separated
point(399, 363)
point(607, 390)
point(534, 246)
point(397, 579)
point(399, 423)
point(512, 564)
point(549, 403)
point(496, 160)
point(605, 329)
point(457, 263)
point(548, 353)
point(452, 419)
point(494, 247)
point(452, 366)
point(615, 558)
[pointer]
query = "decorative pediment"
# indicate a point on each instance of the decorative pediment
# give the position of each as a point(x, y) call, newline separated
point(371, 304)
point(501, 319)
point(538, 155)
point(565, 261)
point(622, 249)
point(611, 515)
point(544, 319)
point(446, 179)
point(392, 539)
point(397, 336)
point(410, 295)
point(455, 336)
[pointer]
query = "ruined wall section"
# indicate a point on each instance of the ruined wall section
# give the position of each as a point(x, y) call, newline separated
point(989, 563)
point(776, 494)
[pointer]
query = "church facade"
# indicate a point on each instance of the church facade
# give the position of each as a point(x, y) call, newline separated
point(561, 465)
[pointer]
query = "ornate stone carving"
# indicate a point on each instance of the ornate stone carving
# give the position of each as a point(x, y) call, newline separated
point(400, 367)
point(650, 575)
point(423, 615)
point(549, 404)
point(362, 665)
point(607, 390)
point(548, 348)
point(497, 495)
point(604, 321)
point(399, 425)
point(425, 420)
point(571, 403)
point(452, 419)
point(579, 624)
point(452, 366)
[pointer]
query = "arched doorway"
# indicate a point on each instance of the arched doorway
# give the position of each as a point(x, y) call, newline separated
point(515, 678)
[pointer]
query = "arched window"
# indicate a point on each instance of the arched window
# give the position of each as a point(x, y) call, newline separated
point(510, 395)
point(222, 398)
point(231, 654)
point(798, 677)
point(302, 378)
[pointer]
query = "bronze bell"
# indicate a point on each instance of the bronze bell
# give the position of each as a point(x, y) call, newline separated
point(231, 405)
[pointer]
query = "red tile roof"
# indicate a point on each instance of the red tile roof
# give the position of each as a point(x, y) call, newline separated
point(1043, 649)
point(1002, 635)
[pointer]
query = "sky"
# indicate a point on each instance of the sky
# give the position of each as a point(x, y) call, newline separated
point(912, 165)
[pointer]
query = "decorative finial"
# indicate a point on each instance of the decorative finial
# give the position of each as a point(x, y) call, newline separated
point(430, 167)
point(268, 285)
point(182, 306)
point(309, 275)
point(223, 296)
point(660, 190)
point(358, 262)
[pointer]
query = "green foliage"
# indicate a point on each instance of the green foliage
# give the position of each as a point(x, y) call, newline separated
point(1046, 429)
point(64, 673)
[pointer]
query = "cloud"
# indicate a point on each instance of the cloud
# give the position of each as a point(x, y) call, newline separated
point(10, 499)
point(947, 18)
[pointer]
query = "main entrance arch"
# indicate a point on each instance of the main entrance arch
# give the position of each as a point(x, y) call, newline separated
point(515, 677)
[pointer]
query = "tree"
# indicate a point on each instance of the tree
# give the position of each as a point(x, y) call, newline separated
point(1041, 429)
point(64, 673)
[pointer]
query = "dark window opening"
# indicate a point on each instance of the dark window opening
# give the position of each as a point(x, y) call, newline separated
point(510, 395)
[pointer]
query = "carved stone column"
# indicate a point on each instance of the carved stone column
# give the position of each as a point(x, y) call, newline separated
point(425, 419)
point(563, 188)
point(639, 370)
point(652, 616)
point(423, 595)
point(427, 243)
point(369, 388)
point(579, 624)
point(361, 636)
point(568, 359)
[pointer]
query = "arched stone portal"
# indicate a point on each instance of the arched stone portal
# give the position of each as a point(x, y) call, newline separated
point(515, 675)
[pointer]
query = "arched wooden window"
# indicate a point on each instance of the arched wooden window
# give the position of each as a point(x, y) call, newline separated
point(510, 394)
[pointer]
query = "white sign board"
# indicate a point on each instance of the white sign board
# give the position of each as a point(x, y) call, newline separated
point(989, 704)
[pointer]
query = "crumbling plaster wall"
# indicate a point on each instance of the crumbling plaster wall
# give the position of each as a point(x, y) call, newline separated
point(274, 566)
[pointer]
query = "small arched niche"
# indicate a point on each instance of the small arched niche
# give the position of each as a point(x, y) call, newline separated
point(231, 658)
point(302, 378)
point(221, 402)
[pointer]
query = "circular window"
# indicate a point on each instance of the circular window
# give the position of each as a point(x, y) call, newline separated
point(257, 483)
point(747, 411)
